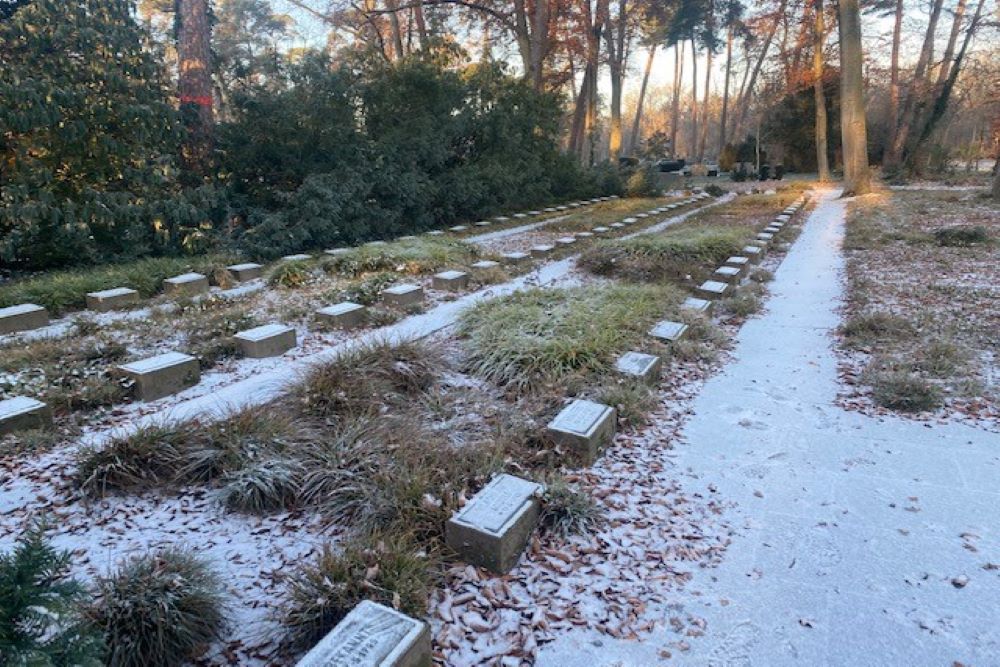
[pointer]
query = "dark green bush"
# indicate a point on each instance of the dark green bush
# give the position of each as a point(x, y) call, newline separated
point(40, 620)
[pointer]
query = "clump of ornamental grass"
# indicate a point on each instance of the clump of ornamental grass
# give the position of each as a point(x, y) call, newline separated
point(902, 390)
point(366, 379)
point(868, 329)
point(291, 274)
point(742, 304)
point(634, 400)
point(962, 235)
point(393, 570)
point(139, 461)
point(672, 255)
point(761, 276)
point(567, 510)
point(529, 339)
point(366, 291)
point(159, 609)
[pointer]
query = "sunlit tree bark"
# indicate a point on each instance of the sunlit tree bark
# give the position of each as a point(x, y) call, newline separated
point(853, 125)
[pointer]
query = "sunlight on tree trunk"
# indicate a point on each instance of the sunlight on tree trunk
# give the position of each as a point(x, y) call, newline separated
point(819, 34)
point(853, 127)
point(635, 139)
point(195, 82)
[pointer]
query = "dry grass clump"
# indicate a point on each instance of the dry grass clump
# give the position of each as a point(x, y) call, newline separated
point(412, 256)
point(634, 400)
point(868, 329)
point(962, 235)
point(567, 510)
point(209, 326)
point(291, 274)
point(392, 570)
point(366, 291)
point(902, 390)
point(159, 610)
point(538, 337)
point(677, 254)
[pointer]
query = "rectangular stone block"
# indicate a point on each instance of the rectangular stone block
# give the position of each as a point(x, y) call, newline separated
point(583, 427)
point(541, 250)
point(668, 330)
point(494, 526)
point(549, 209)
point(375, 244)
point(21, 413)
point(186, 284)
point(641, 216)
point(403, 295)
point(249, 270)
point(562, 208)
point(645, 367)
point(501, 218)
point(617, 225)
point(565, 241)
point(483, 223)
point(451, 281)
point(23, 317)
point(765, 236)
point(485, 265)
point(534, 212)
point(345, 315)
point(629, 221)
point(712, 289)
point(162, 375)
point(584, 235)
point(784, 217)
point(111, 299)
point(270, 340)
point(373, 635)
point(753, 253)
point(520, 216)
point(515, 258)
point(698, 305)
point(435, 232)
point(458, 228)
point(601, 230)
point(727, 274)
point(299, 257)
point(738, 262)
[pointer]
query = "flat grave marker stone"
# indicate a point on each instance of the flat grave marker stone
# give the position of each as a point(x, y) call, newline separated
point(344, 315)
point(697, 305)
point(565, 240)
point(541, 250)
point(601, 229)
point(111, 299)
point(645, 367)
point(728, 274)
point(403, 295)
point(458, 228)
point(249, 270)
point(162, 375)
point(21, 413)
point(494, 526)
point(269, 340)
point(515, 258)
point(668, 330)
point(583, 427)
point(372, 635)
point(22, 317)
point(298, 257)
point(711, 289)
point(185, 284)
point(450, 281)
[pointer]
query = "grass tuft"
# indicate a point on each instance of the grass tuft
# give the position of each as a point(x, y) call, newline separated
point(903, 391)
point(870, 328)
point(291, 274)
point(136, 462)
point(567, 511)
point(962, 235)
point(159, 610)
point(634, 400)
point(413, 256)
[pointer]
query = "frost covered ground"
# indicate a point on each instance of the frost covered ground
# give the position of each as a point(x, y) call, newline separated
point(856, 540)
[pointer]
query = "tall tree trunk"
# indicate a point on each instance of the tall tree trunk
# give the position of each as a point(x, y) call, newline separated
point(636, 122)
point(194, 61)
point(692, 149)
point(725, 89)
point(703, 139)
point(916, 92)
point(744, 102)
point(397, 32)
point(853, 127)
point(897, 28)
point(675, 111)
point(615, 34)
point(418, 17)
point(819, 35)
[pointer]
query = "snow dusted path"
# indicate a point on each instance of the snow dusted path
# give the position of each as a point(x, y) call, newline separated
point(864, 541)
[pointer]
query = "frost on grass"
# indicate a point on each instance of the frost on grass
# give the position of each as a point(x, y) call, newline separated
point(921, 334)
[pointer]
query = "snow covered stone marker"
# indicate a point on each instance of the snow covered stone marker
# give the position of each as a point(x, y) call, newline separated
point(270, 340)
point(645, 367)
point(185, 284)
point(669, 331)
point(515, 257)
point(601, 229)
point(492, 529)
point(373, 635)
point(583, 426)
point(541, 250)
point(727, 274)
point(111, 299)
point(21, 413)
point(344, 315)
point(458, 228)
point(247, 271)
point(753, 253)
point(565, 240)
point(738, 262)
point(23, 317)
point(698, 305)
point(298, 257)
point(403, 295)
point(162, 375)
point(713, 289)
point(450, 281)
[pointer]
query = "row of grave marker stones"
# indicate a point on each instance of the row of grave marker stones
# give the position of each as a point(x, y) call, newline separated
point(493, 528)
point(30, 316)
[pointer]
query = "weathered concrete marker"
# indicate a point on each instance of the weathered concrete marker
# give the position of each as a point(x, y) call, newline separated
point(21, 413)
point(111, 299)
point(373, 635)
point(344, 315)
point(23, 317)
point(492, 529)
point(450, 281)
point(250, 270)
point(186, 284)
point(583, 426)
point(668, 330)
point(645, 367)
point(162, 375)
point(265, 341)
point(403, 295)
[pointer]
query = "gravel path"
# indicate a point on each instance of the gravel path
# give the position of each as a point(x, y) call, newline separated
point(864, 541)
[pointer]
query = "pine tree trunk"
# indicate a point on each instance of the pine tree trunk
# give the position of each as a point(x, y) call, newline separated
point(853, 127)
point(636, 122)
point(703, 139)
point(725, 90)
point(194, 60)
point(819, 34)
point(694, 101)
point(675, 111)
point(897, 27)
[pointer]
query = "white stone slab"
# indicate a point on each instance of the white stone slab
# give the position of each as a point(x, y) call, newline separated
point(645, 367)
point(565, 240)
point(515, 257)
point(299, 257)
point(601, 230)
point(668, 330)
point(372, 635)
point(697, 305)
point(713, 288)
point(345, 314)
point(159, 362)
point(501, 218)
point(23, 412)
point(458, 228)
point(541, 250)
point(435, 232)
point(630, 221)
point(186, 283)
point(246, 271)
point(483, 223)
point(583, 426)
point(269, 340)
point(110, 299)
point(485, 265)
point(403, 295)
point(729, 274)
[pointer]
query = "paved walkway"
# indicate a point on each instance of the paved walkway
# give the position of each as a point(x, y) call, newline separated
point(863, 541)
